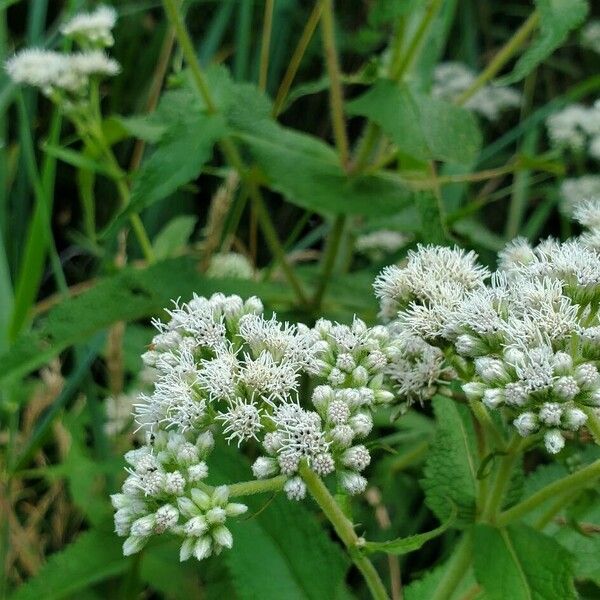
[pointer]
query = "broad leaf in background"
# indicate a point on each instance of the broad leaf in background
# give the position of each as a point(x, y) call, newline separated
point(93, 557)
point(557, 19)
point(423, 127)
point(174, 236)
point(451, 466)
point(433, 222)
point(521, 563)
point(181, 151)
point(282, 552)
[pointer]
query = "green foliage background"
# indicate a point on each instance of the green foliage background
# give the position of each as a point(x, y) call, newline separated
point(76, 298)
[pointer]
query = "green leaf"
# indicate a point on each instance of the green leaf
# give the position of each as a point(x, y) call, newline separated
point(521, 563)
point(308, 173)
point(583, 541)
point(451, 466)
point(424, 588)
point(557, 19)
point(283, 552)
point(423, 127)
point(131, 294)
point(174, 236)
point(433, 225)
point(93, 557)
point(411, 543)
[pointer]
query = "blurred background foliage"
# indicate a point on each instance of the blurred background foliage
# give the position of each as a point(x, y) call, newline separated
point(77, 292)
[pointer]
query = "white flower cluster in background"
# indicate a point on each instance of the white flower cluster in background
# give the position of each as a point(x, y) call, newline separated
point(575, 190)
point(223, 369)
point(65, 77)
point(450, 79)
point(92, 29)
point(379, 244)
point(590, 36)
point(230, 265)
point(587, 214)
point(577, 128)
point(527, 342)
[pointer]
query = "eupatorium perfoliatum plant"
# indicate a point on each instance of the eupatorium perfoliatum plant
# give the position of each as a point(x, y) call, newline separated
point(519, 347)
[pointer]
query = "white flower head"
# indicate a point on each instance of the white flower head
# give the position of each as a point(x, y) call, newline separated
point(92, 29)
point(241, 421)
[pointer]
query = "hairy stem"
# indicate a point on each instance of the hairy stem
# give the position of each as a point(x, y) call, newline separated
point(502, 57)
point(336, 97)
point(258, 486)
point(579, 479)
point(593, 423)
point(345, 530)
point(459, 563)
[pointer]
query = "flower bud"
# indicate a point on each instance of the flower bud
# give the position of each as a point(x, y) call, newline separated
point(474, 390)
point(574, 418)
point(526, 424)
point(264, 467)
point(554, 441)
point(493, 398)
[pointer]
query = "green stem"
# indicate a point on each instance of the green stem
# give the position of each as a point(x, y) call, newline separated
point(407, 60)
point(502, 480)
point(487, 424)
point(502, 57)
point(459, 563)
point(593, 423)
point(345, 530)
point(265, 44)
point(294, 65)
point(336, 97)
point(579, 479)
point(333, 244)
point(556, 507)
point(189, 53)
point(229, 148)
point(247, 488)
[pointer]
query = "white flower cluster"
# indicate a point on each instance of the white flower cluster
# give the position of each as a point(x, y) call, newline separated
point(577, 128)
point(452, 78)
point(65, 77)
point(230, 265)
point(92, 29)
point(222, 368)
point(378, 244)
point(575, 190)
point(590, 36)
point(587, 214)
point(164, 493)
point(350, 367)
point(527, 342)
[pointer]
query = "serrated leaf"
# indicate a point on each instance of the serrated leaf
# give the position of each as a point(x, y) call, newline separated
point(583, 541)
point(521, 563)
point(557, 19)
point(129, 295)
point(411, 543)
point(282, 552)
point(93, 557)
point(452, 463)
point(423, 127)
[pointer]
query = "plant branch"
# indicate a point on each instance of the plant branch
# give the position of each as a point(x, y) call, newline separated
point(580, 478)
point(258, 486)
point(294, 65)
point(265, 44)
point(501, 58)
point(593, 423)
point(459, 563)
point(229, 148)
point(336, 97)
point(333, 244)
point(345, 530)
